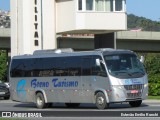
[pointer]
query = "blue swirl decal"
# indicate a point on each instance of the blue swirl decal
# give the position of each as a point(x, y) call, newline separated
point(21, 93)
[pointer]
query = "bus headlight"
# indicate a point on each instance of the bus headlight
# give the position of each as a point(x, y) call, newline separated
point(145, 85)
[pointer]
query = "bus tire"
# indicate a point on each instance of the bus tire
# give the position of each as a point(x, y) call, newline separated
point(101, 102)
point(72, 105)
point(6, 98)
point(40, 102)
point(135, 103)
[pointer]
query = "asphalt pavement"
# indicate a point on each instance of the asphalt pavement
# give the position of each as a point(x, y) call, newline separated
point(84, 112)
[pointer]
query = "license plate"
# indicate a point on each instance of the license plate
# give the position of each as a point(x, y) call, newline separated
point(2, 93)
point(134, 91)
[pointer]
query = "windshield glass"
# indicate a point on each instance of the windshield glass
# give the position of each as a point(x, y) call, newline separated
point(124, 66)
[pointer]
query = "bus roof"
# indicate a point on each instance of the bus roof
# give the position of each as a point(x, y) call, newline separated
point(70, 52)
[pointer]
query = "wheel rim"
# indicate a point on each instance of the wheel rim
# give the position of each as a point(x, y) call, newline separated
point(100, 101)
point(39, 101)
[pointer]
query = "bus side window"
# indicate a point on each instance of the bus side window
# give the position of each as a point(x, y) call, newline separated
point(74, 66)
point(60, 67)
point(86, 66)
point(37, 67)
point(98, 70)
point(17, 68)
point(28, 63)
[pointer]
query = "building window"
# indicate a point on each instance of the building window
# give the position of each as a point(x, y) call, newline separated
point(79, 4)
point(108, 5)
point(118, 5)
point(101, 5)
point(89, 4)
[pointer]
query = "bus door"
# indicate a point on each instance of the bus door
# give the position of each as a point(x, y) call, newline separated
point(100, 80)
point(86, 79)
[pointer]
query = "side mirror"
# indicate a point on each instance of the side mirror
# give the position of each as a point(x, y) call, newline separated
point(98, 63)
point(142, 59)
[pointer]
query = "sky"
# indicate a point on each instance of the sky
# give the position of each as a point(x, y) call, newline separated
point(145, 8)
point(5, 5)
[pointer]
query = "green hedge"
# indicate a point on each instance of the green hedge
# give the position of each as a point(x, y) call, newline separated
point(152, 65)
point(3, 65)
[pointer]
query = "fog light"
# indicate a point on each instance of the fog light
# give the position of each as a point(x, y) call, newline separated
point(145, 85)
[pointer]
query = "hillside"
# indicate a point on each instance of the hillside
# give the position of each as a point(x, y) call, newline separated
point(4, 19)
point(135, 22)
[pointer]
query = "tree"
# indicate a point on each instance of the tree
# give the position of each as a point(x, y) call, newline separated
point(3, 65)
point(143, 23)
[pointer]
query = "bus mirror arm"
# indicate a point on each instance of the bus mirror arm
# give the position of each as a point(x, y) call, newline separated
point(102, 62)
point(98, 62)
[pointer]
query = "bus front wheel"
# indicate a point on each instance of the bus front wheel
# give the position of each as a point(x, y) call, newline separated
point(101, 102)
point(135, 103)
point(40, 102)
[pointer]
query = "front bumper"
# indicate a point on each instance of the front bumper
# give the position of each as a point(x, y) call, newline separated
point(126, 94)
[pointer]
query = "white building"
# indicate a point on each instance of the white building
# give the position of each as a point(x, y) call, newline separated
point(35, 23)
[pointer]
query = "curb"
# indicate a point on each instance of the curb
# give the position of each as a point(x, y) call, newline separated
point(151, 101)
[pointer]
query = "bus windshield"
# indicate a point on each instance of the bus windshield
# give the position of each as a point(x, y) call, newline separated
point(124, 66)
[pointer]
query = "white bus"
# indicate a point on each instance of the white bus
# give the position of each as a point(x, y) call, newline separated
point(101, 77)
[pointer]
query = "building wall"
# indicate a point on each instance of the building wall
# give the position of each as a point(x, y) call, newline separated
point(49, 24)
point(109, 21)
point(71, 20)
point(33, 26)
point(65, 15)
point(35, 23)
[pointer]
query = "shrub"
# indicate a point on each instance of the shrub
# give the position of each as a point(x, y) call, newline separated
point(3, 66)
point(152, 65)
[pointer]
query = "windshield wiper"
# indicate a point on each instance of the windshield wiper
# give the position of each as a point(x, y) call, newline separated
point(124, 72)
point(137, 73)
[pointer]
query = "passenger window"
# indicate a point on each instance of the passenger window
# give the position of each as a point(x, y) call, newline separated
point(60, 69)
point(37, 67)
point(86, 66)
point(17, 68)
point(48, 65)
point(74, 66)
point(27, 68)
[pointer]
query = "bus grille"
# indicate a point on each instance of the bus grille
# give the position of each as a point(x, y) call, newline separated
point(133, 87)
point(134, 95)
